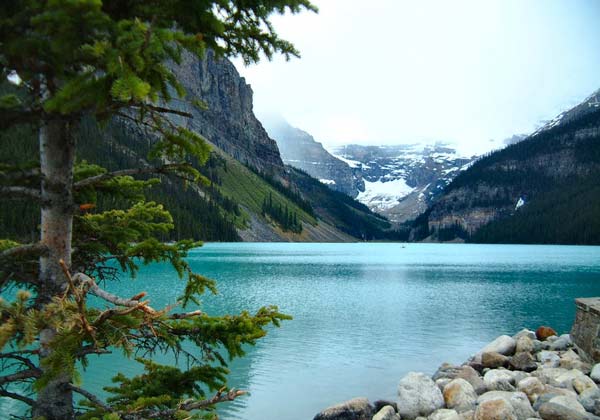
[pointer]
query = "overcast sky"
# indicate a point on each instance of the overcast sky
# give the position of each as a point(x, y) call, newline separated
point(395, 71)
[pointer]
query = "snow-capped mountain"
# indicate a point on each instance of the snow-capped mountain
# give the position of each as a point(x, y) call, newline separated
point(588, 105)
point(401, 181)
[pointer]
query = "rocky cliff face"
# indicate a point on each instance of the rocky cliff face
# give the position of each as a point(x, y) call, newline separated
point(229, 122)
point(300, 150)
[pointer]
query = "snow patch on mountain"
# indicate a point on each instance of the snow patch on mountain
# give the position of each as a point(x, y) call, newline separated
point(351, 163)
point(384, 195)
point(327, 181)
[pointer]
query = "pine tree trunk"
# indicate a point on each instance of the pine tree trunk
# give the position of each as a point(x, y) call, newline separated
point(57, 157)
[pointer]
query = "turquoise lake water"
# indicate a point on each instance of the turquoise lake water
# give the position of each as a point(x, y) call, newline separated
point(367, 313)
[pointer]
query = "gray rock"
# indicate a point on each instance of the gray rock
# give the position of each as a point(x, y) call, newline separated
point(355, 409)
point(588, 399)
point(569, 402)
point(460, 395)
point(571, 360)
point(532, 387)
point(553, 411)
point(549, 359)
point(525, 333)
point(523, 361)
point(549, 375)
point(525, 344)
point(467, 415)
point(497, 409)
point(583, 383)
point(418, 396)
point(519, 375)
point(595, 374)
point(540, 345)
point(386, 413)
point(504, 345)
point(444, 414)
point(498, 380)
point(566, 379)
point(442, 382)
point(465, 372)
point(518, 401)
point(561, 343)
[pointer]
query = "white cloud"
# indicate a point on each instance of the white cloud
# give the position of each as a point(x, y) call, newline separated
point(395, 71)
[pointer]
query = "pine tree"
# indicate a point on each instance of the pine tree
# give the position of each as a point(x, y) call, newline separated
point(107, 59)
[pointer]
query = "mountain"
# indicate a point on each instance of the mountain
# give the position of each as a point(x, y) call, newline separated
point(300, 150)
point(401, 181)
point(543, 189)
point(251, 196)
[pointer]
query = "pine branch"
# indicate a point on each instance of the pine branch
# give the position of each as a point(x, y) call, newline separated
point(20, 192)
point(19, 174)
point(86, 350)
point(24, 249)
point(94, 399)
point(189, 405)
point(94, 180)
point(19, 376)
point(20, 358)
point(19, 397)
point(163, 110)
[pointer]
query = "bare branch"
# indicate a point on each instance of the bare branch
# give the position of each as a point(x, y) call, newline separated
point(220, 396)
point(14, 396)
point(19, 376)
point(95, 400)
point(134, 171)
point(94, 289)
point(24, 249)
point(186, 315)
point(20, 192)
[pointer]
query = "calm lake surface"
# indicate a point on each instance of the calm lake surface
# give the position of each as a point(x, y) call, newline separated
point(367, 313)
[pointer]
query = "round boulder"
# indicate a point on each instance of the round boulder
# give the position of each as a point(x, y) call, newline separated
point(460, 395)
point(497, 409)
point(498, 380)
point(532, 387)
point(418, 396)
point(444, 414)
point(493, 360)
point(386, 413)
point(517, 400)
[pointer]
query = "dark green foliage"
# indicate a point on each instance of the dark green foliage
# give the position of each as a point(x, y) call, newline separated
point(82, 61)
point(556, 171)
point(116, 146)
point(286, 219)
point(569, 214)
point(290, 192)
point(342, 211)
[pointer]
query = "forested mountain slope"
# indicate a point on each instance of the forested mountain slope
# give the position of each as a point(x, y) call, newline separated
point(545, 189)
point(249, 196)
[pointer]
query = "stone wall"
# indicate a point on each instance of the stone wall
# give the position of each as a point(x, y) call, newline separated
point(586, 329)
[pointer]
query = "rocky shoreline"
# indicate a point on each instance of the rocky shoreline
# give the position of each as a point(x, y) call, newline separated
point(530, 375)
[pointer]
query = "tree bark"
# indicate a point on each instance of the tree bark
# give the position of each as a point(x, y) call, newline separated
point(57, 158)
